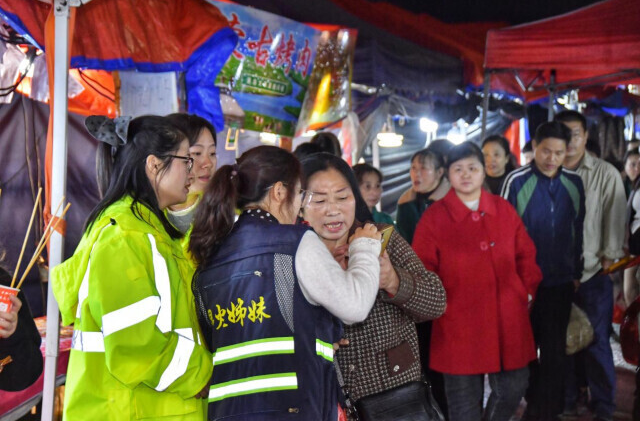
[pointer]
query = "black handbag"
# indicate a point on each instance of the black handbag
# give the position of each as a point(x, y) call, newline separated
point(411, 401)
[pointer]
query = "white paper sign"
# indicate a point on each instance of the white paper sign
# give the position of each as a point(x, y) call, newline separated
point(148, 93)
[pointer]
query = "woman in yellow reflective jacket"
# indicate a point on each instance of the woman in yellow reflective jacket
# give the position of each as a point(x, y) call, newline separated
point(136, 351)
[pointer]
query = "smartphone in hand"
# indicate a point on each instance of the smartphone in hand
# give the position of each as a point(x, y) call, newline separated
point(386, 235)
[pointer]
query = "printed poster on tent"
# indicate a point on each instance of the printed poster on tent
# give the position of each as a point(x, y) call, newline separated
point(268, 72)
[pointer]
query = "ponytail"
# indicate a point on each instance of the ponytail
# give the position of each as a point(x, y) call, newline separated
point(235, 187)
point(104, 166)
point(215, 214)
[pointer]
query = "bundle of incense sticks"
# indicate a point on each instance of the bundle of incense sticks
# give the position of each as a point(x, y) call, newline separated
point(44, 240)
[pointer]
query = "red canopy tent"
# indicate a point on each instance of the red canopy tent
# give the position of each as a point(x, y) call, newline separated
point(595, 45)
point(463, 40)
point(159, 35)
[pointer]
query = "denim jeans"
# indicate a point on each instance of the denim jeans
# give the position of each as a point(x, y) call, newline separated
point(465, 394)
point(595, 297)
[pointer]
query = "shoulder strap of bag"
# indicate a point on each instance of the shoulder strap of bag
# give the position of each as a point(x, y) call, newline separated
point(351, 411)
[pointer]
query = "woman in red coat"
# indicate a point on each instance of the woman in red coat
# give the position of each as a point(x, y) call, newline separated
point(477, 244)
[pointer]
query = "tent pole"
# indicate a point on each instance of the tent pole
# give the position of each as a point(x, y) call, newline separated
point(485, 101)
point(375, 160)
point(552, 95)
point(58, 190)
point(375, 153)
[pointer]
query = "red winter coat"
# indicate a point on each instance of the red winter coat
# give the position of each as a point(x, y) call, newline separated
point(487, 264)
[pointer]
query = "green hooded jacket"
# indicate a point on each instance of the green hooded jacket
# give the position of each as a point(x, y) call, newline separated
point(137, 352)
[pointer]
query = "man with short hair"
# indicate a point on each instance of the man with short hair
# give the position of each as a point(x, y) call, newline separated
point(550, 201)
point(603, 240)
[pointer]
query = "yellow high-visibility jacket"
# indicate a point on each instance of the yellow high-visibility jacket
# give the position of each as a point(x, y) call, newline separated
point(137, 352)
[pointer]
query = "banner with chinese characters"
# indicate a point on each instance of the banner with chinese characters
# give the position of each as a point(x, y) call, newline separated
point(268, 72)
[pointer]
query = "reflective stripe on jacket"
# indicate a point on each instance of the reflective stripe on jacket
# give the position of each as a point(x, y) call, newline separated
point(273, 353)
point(136, 351)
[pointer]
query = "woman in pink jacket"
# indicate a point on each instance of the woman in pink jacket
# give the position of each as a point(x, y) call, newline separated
point(477, 244)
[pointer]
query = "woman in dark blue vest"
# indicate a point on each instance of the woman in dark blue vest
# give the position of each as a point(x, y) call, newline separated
point(266, 309)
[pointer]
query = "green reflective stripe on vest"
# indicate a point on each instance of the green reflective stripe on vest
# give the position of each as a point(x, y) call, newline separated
point(525, 193)
point(251, 385)
point(256, 348)
point(324, 349)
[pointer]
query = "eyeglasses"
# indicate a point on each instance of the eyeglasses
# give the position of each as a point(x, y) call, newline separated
point(321, 201)
point(305, 195)
point(185, 158)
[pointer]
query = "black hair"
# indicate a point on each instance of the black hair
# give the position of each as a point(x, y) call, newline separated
point(593, 146)
point(628, 154)
point(440, 147)
point(528, 147)
point(328, 142)
point(192, 125)
point(500, 140)
point(305, 149)
point(125, 169)
point(236, 186)
point(568, 116)
point(361, 169)
point(323, 162)
point(5, 277)
point(433, 155)
point(554, 129)
point(463, 151)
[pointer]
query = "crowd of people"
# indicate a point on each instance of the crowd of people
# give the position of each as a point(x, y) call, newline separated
point(271, 288)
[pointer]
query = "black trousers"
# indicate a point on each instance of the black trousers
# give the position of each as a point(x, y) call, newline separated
point(435, 378)
point(549, 321)
point(635, 415)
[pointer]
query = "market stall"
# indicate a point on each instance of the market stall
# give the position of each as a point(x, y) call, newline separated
point(13, 405)
point(594, 46)
point(154, 39)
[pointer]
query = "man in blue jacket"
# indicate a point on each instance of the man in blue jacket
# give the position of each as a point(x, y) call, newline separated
point(551, 202)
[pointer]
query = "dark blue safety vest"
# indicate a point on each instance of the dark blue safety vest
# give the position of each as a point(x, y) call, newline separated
point(272, 350)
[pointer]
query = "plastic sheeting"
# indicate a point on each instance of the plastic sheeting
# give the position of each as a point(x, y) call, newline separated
point(464, 41)
point(22, 146)
point(395, 162)
point(381, 57)
point(149, 36)
point(90, 91)
point(598, 40)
